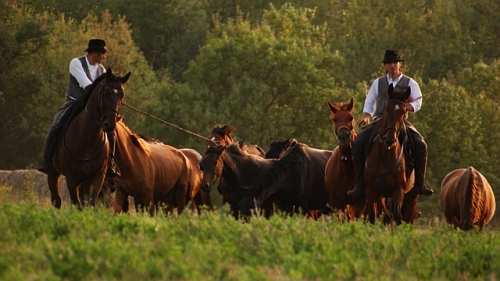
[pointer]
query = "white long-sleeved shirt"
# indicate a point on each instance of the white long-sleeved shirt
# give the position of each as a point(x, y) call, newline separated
point(371, 98)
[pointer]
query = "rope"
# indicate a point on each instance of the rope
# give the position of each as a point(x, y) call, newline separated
point(170, 124)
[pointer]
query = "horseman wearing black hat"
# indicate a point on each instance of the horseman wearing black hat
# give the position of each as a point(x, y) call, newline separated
point(374, 107)
point(82, 73)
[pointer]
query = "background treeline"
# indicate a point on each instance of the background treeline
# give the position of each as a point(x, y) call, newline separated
point(266, 68)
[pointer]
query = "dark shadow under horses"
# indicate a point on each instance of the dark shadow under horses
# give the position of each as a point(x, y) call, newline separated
point(387, 173)
point(82, 152)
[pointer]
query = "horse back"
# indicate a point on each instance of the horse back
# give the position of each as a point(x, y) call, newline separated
point(466, 198)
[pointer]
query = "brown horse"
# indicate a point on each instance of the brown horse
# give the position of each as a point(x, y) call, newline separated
point(467, 199)
point(339, 171)
point(237, 167)
point(197, 196)
point(385, 168)
point(222, 135)
point(152, 172)
point(83, 149)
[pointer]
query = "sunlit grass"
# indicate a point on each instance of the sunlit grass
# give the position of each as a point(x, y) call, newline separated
point(41, 243)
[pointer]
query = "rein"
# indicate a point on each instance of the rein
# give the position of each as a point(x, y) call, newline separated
point(100, 96)
point(170, 124)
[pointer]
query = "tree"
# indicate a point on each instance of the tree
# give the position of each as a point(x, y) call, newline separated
point(269, 80)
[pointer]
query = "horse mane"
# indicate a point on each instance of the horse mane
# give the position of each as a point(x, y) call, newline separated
point(121, 128)
point(149, 139)
point(92, 86)
point(473, 195)
point(223, 130)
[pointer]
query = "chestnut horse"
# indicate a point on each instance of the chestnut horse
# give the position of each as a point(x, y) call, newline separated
point(339, 171)
point(386, 166)
point(82, 151)
point(467, 199)
point(197, 196)
point(152, 172)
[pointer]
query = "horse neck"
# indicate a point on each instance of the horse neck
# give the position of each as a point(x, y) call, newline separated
point(85, 129)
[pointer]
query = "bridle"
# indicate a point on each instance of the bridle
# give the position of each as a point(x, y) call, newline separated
point(396, 129)
point(102, 92)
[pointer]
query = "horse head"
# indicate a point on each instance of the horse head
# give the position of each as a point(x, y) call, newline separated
point(106, 99)
point(211, 165)
point(221, 135)
point(278, 148)
point(342, 117)
point(394, 115)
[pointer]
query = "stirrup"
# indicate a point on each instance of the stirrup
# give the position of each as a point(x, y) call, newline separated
point(112, 172)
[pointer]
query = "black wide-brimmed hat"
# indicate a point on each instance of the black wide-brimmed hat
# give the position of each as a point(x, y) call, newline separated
point(96, 45)
point(391, 55)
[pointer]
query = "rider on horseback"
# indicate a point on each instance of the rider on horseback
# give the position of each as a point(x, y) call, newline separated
point(82, 72)
point(375, 104)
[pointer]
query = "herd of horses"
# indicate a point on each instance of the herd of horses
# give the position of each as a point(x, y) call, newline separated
point(290, 177)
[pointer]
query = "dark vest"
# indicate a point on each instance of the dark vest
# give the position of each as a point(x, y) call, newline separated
point(74, 90)
point(383, 85)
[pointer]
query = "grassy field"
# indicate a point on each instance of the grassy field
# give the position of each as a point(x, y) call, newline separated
point(40, 243)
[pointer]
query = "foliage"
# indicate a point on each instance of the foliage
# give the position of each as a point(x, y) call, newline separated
point(275, 78)
point(40, 242)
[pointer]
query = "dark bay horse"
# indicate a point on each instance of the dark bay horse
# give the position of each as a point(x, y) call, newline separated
point(278, 148)
point(296, 181)
point(154, 173)
point(223, 135)
point(339, 171)
point(83, 150)
point(237, 167)
point(467, 199)
point(386, 166)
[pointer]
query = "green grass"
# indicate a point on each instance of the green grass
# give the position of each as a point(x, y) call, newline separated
point(39, 242)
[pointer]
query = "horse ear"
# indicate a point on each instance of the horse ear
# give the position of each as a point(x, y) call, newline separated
point(332, 107)
point(240, 144)
point(271, 141)
point(351, 104)
point(124, 79)
point(109, 73)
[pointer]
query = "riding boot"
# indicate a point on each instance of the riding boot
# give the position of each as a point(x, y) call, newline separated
point(113, 170)
point(420, 186)
point(48, 149)
point(359, 182)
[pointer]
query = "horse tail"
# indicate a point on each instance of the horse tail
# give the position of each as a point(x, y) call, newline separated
point(474, 203)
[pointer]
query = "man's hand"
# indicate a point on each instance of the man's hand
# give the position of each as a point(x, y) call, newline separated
point(363, 120)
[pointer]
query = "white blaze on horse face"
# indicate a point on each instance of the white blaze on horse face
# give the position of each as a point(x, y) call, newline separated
point(116, 91)
point(396, 107)
point(212, 139)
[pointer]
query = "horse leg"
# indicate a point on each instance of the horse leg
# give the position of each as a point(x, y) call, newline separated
point(397, 203)
point(120, 199)
point(74, 195)
point(371, 204)
point(53, 179)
